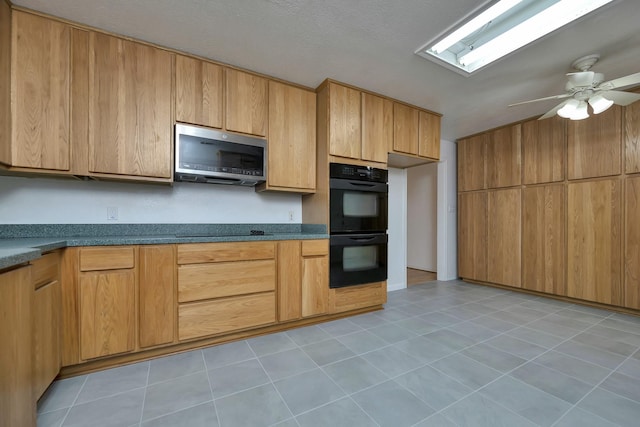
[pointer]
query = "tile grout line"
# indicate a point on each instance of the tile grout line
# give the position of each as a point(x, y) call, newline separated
point(213, 398)
point(144, 396)
point(64, 419)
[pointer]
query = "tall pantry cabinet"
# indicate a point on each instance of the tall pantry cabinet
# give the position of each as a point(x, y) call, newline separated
point(564, 221)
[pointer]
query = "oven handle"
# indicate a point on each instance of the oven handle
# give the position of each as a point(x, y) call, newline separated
point(357, 239)
point(345, 184)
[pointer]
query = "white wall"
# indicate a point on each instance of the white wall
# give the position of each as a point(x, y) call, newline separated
point(397, 249)
point(422, 196)
point(68, 201)
point(447, 212)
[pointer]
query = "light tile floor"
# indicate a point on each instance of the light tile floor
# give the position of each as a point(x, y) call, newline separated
point(440, 354)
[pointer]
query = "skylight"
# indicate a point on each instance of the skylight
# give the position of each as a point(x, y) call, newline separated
point(500, 28)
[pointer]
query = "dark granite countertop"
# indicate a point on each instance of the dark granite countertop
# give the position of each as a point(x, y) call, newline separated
point(21, 243)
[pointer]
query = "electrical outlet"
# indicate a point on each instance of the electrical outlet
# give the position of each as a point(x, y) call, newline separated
point(112, 213)
point(290, 216)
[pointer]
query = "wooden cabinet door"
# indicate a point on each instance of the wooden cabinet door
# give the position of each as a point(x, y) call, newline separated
point(377, 127)
point(129, 108)
point(543, 239)
point(46, 318)
point(157, 305)
point(406, 124)
point(595, 144)
point(107, 313)
point(5, 83)
point(40, 95)
point(17, 403)
point(471, 163)
point(198, 92)
point(292, 138)
point(503, 157)
point(543, 150)
point(289, 280)
point(472, 236)
point(594, 241)
point(315, 277)
point(344, 122)
point(503, 237)
point(632, 138)
point(246, 98)
point(429, 136)
point(632, 244)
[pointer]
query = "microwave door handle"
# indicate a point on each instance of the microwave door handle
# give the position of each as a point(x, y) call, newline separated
point(228, 181)
point(363, 239)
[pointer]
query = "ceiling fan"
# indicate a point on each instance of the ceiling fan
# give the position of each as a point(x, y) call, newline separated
point(585, 86)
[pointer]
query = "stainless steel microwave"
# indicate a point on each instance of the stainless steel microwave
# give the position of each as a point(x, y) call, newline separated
point(215, 157)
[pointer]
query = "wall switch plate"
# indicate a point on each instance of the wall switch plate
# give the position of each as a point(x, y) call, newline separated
point(290, 215)
point(112, 214)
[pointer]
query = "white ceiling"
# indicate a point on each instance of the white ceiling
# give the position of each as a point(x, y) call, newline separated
point(371, 44)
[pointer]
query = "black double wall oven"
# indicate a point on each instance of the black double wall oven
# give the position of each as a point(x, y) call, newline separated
point(358, 204)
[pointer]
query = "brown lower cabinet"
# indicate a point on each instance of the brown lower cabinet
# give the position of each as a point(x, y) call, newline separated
point(543, 241)
point(632, 244)
point(503, 237)
point(594, 241)
point(472, 235)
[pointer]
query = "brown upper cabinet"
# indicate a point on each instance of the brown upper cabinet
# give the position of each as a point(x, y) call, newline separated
point(415, 132)
point(199, 92)
point(471, 163)
point(40, 104)
point(377, 127)
point(246, 102)
point(503, 157)
point(344, 123)
point(632, 138)
point(544, 150)
point(292, 139)
point(129, 108)
point(595, 144)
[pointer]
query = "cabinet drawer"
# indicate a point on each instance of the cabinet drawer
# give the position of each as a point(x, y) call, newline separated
point(354, 297)
point(45, 269)
point(315, 247)
point(228, 251)
point(204, 281)
point(106, 258)
point(200, 319)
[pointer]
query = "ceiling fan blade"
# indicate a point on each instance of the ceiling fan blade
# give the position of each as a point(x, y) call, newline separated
point(564, 95)
point(553, 111)
point(582, 78)
point(621, 98)
point(622, 82)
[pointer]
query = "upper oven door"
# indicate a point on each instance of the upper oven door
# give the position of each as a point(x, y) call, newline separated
point(358, 206)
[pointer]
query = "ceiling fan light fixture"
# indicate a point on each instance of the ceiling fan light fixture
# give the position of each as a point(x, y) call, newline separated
point(599, 103)
point(569, 108)
point(581, 112)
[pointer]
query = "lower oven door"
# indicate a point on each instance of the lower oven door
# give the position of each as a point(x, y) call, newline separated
point(356, 259)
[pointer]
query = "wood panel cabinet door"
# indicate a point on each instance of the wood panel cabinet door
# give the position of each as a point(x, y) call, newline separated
point(246, 101)
point(471, 163)
point(595, 144)
point(503, 237)
point(199, 92)
point(315, 277)
point(292, 138)
point(406, 124)
point(40, 96)
point(17, 404)
point(472, 236)
point(344, 122)
point(503, 157)
point(107, 313)
point(543, 150)
point(289, 281)
point(46, 318)
point(594, 241)
point(632, 244)
point(129, 108)
point(157, 290)
point(429, 135)
point(377, 127)
point(543, 239)
point(632, 138)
